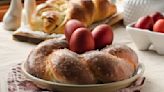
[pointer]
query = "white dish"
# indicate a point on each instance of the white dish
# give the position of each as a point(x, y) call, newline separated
point(144, 38)
point(108, 87)
point(134, 9)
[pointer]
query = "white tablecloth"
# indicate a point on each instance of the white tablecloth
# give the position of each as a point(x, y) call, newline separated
point(12, 52)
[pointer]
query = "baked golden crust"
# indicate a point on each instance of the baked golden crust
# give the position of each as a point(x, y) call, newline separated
point(51, 60)
point(87, 11)
point(36, 61)
point(67, 67)
point(26, 34)
point(83, 11)
point(108, 68)
point(51, 20)
point(124, 52)
point(104, 9)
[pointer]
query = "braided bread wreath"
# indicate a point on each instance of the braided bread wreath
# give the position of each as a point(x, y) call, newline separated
point(52, 61)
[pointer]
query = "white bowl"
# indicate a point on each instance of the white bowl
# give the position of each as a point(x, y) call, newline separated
point(134, 9)
point(108, 87)
point(143, 38)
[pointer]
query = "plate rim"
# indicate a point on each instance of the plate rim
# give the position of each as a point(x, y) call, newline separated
point(32, 78)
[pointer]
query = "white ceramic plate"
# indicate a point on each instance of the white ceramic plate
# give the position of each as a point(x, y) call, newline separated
point(108, 87)
point(143, 38)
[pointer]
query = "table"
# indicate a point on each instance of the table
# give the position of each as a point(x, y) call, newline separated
point(13, 52)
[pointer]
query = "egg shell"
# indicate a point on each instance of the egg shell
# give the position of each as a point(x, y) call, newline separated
point(103, 35)
point(71, 26)
point(81, 41)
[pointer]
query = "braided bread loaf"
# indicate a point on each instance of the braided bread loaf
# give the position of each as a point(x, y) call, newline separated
point(51, 60)
point(52, 15)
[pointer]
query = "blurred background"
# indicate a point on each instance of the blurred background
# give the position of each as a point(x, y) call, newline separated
point(4, 4)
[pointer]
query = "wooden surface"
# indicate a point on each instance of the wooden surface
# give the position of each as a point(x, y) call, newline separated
point(12, 52)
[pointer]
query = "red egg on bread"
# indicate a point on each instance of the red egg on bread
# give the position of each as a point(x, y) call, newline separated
point(81, 41)
point(103, 35)
point(71, 26)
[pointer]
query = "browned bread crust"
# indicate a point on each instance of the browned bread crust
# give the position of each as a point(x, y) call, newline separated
point(50, 17)
point(32, 37)
point(51, 60)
